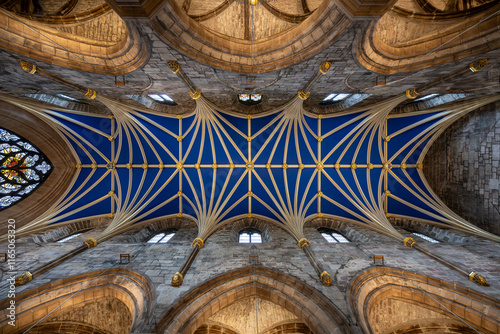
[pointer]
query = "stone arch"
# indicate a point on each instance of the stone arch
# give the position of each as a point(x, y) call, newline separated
point(67, 230)
point(260, 225)
point(386, 300)
point(399, 43)
point(119, 285)
point(96, 41)
point(353, 233)
point(56, 149)
point(309, 305)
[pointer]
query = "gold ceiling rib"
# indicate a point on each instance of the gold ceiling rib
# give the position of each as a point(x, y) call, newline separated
point(207, 127)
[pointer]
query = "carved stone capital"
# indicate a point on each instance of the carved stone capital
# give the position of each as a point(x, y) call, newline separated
point(174, 66)
point(90, 242)
point(325, 67)
point(303, 242)
point(23, 278)
point(199, 242)
point(302, 95)
point(409, 242)
point(478, 64)
point(27, 67)
point(177, 279)
point(478, 279)
point(326, 279)
point(90, 94)
point(196, 95)
point(412, 94)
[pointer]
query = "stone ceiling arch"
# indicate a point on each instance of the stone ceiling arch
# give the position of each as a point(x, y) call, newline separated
point(270, 53)
point(97, 40)
point(408, 37)
point(123, 285)
point(26, 125)
point(308, 304)
point(385, 299)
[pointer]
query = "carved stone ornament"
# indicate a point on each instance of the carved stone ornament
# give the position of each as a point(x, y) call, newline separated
point(90, 94)
point(27, 67)
point(23, 278)
point(478, 279)
point(196, 95)
point(303, 242)
point(409, 242)
point(90, 242)
point(325, 67)
point(199, 242)
point(412, 94)
point(478, 64)
point(174, 66)
point(302, 95)
point(177, 279)
point(326, 279)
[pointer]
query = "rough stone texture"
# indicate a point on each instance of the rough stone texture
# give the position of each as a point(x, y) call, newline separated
point(159, 262)
point(463, 168)
point(242, 315)
point(111, 315)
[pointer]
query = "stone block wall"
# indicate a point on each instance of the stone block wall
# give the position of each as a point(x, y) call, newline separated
point(222, 254)
point(463, 167)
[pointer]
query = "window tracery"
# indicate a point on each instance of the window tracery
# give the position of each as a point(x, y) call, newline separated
point(22, 168)
point(162, 238)
point(250, 236)
point(332, 236)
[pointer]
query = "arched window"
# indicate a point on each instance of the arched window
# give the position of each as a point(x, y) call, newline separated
point(22, 168)
point(426, 237)
point(250, 236)
point(332, 236)
point(69, 237)
point(162, 237)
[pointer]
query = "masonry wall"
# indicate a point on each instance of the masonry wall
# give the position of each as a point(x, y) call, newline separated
point(221, 254)
point(463, 167)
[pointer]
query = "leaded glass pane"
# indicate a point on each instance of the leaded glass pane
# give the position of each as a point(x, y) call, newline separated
point(425, 237)
point(339, 237)
point(256, 238)
point(69, 237)
point(328, 237)
point(156, 238)
point(22, 168)
point(166, 238)
point(244, 238)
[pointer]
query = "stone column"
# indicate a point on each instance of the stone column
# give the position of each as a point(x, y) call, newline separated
point(178, 278)
point(324, 276)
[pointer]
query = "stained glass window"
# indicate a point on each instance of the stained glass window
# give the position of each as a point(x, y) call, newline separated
point(22, 168)
point(250, 99)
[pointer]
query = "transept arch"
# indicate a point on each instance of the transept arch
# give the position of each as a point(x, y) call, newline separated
point(309, 305)
point(125, 293)
point(389, 300)
point(56, 149)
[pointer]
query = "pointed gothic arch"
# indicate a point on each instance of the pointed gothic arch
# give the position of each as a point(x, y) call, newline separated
point(309, 305)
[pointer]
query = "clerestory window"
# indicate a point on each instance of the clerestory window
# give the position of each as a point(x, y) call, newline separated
point(250, 236)
point(162, 237)
point(426, 237)
point(332, 236)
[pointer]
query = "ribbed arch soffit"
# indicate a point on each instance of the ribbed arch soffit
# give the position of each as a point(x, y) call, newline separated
point(286, 166)
point(417, 34)
point(199, 304)
point(131, 290)
point(389, 300)
point(57, 150)
point(94, 39)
